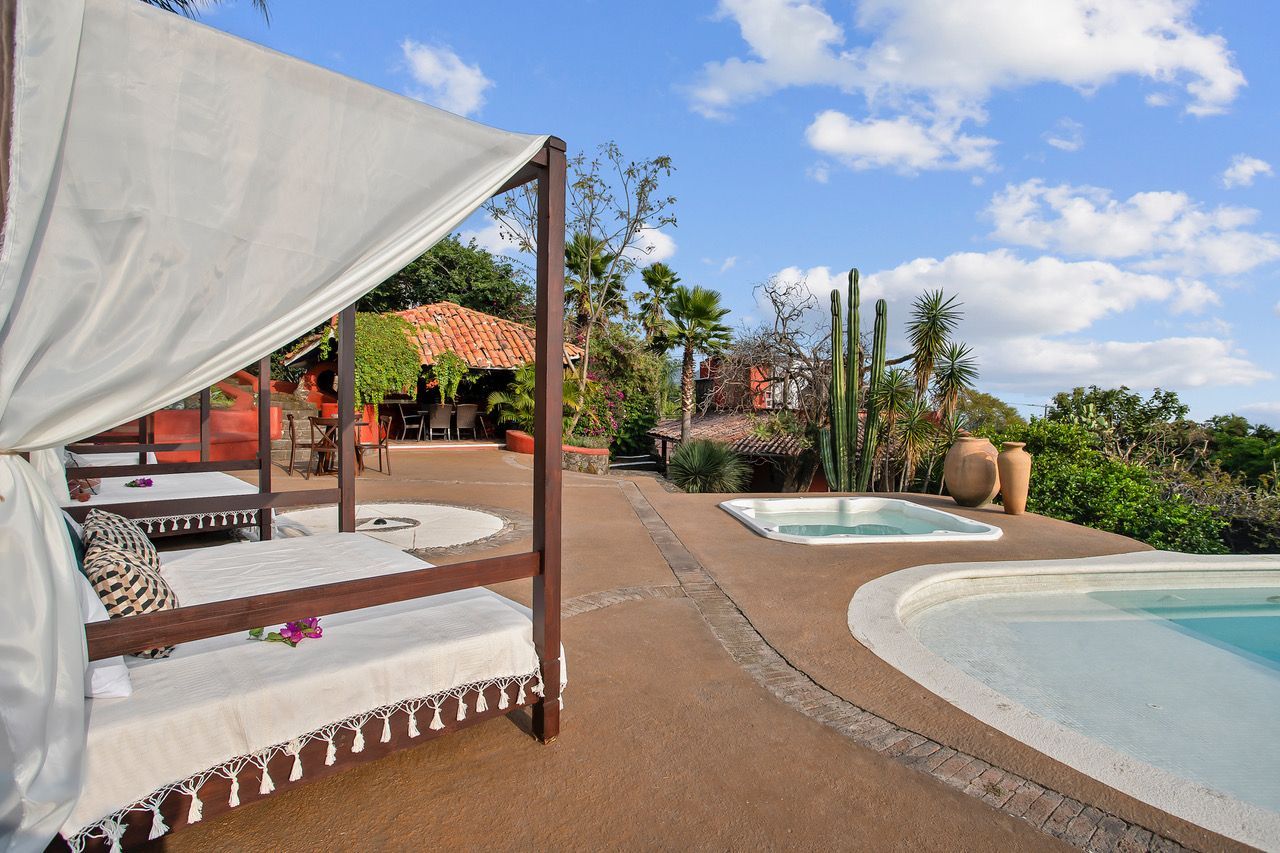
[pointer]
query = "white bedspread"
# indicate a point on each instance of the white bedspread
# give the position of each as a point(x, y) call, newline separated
point(224, 697)
point(168, 487)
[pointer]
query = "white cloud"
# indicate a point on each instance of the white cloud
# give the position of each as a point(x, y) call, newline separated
point(652, 246)
point(820, 172)
point(1243, 170)
point(1066, 135)
point(729, 263)
point(1155, 231)
point(1028, 320)
point(491, 240)
point(901, 143)
point(1191, 362)
point(442, 79)
point(935, 63)
point(1193, 297)
point(960, 51)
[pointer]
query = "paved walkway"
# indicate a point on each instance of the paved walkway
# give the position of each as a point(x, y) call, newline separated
point(1074, 822)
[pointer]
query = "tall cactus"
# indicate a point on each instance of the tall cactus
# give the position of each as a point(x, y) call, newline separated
point(871, 430)
point(847, 467)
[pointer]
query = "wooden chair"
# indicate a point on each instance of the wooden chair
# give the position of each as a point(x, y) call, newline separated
point(295, 442)
point(440, 420)
point(468, 414)
point(411, 419)
point(324, 443)
point(382, 446)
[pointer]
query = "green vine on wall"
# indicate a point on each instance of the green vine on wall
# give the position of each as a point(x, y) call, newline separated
point(387, 362)
point(449, 370)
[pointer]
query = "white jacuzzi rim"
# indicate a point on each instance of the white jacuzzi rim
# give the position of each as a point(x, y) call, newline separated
point(981, 531)
point(877, 618)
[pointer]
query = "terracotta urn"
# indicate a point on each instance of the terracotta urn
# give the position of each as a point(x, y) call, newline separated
point(970, 471)
point(1014, 465)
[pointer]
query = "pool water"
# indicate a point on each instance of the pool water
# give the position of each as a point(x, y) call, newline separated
point(1243, 621)
point(842, 522)
point(836, 520)
point(1187, 680)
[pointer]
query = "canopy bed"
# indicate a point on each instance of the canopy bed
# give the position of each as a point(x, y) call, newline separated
point(159, 232)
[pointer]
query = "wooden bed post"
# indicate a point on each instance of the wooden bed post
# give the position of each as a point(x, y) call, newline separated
point(347, 420)
point(206, 409)
point(265, 516)
point(548, 425)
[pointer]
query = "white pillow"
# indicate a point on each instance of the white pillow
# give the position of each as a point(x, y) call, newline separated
point(107, 678)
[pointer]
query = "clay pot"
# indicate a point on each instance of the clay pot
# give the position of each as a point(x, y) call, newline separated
point(1014, 465)
point(970, 471)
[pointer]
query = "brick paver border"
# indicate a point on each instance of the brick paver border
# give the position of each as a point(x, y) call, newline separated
point(1078, 824)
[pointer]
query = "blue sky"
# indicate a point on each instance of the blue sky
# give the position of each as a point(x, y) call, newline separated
point(1096, 181)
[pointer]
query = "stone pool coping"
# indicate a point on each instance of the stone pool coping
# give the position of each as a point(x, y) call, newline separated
point(879, 608)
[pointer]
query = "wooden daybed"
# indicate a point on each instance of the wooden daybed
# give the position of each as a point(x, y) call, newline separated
point(224, 721)
point(160, 232)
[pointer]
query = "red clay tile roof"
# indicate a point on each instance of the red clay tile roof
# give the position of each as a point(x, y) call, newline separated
point(735, 429)
point(483, 341)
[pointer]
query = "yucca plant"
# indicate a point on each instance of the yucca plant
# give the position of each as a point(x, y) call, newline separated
point(706, 466)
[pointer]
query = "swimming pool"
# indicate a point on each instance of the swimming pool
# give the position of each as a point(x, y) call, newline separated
point(849, 520)
point(1158, 674)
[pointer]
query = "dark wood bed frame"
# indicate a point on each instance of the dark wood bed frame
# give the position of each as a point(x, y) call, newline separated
point(542, 564)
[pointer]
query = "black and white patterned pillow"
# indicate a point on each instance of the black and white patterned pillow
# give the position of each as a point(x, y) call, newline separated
point(111, 529)
point(128, 586)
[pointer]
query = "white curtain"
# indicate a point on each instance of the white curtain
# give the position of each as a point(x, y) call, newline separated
point(180, 204)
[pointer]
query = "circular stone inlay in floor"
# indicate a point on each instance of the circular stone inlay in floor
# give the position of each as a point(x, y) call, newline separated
point(407, 526)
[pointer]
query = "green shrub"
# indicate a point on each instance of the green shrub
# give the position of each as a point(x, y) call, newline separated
point(1073, 480)
point(708, 466)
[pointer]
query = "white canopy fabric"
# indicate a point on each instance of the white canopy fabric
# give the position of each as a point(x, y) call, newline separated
point(180, 203)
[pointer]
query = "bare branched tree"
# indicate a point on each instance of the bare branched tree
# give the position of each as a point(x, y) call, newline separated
point(613, 204)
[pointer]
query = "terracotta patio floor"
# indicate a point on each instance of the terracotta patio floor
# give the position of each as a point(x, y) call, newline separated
point(667, 742)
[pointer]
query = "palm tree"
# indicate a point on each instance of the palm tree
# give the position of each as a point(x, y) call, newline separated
point(516, 405)
point(695, 324)
point(192, 8)
point(589, 285)
point(660, 280)
point(956, 371)
point(933, 318)
point(892, 395)
point(916, 437)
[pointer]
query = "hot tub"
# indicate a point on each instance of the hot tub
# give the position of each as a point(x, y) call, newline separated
point(850, 520)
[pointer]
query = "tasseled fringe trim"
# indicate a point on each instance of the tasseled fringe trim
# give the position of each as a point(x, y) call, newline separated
point(112, 827)
point(174, 523)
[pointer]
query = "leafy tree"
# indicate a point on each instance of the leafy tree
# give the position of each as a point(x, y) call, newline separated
point(695, 326)
point(1129, 427)
point(1238, 447)
point(612, 202)
point(985, 413)
point(453, 271)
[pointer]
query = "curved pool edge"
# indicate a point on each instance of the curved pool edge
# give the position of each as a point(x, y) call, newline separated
point(982, 531)
point(876, 619)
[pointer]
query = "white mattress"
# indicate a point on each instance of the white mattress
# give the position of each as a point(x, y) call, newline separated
point(169, 487)
point(224, 697)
